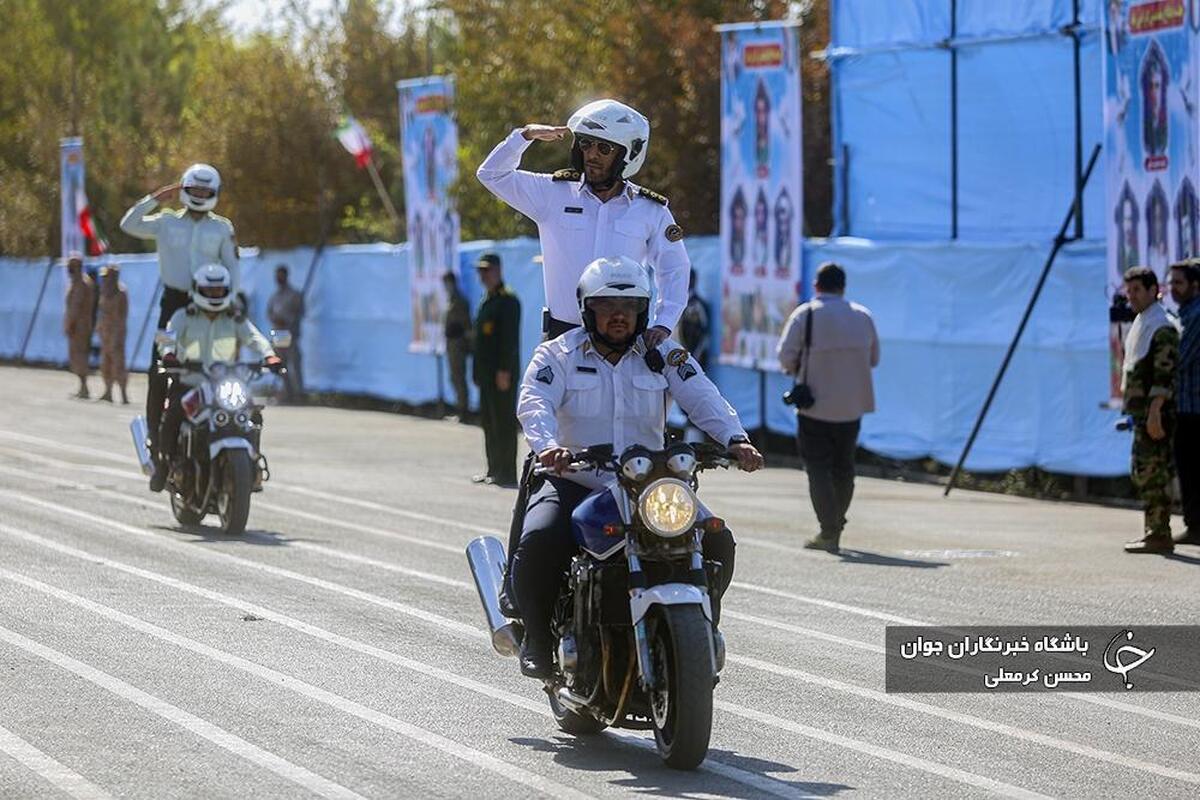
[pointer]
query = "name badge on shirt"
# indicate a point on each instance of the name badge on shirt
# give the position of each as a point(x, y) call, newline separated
point(573, 210)
point(589, 370)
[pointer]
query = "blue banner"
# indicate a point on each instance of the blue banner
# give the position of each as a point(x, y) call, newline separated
point(429, 144)
point(761, 190)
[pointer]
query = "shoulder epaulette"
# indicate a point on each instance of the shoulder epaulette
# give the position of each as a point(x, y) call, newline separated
point(650, 194)
point(566, 175)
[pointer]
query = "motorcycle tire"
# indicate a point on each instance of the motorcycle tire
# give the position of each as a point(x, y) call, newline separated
point(682, 705)
point(233, 500)
point(572, 723)
point(184, 514)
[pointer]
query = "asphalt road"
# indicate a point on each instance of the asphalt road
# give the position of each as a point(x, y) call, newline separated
point(338, 649)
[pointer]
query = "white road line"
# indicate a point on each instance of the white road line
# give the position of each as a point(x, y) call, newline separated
point(912, 762)
point(60, 776)
point(762, 783)
point(372, 506)
point(1000, 728)
point(1032, 737)
point(857, 610)
point(189, 722)
point(345, 705)
point(444, 623)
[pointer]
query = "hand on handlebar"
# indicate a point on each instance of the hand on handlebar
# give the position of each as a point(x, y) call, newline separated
point(273, 363)
point(170, 360)
point(555, 458)
point(748, 457)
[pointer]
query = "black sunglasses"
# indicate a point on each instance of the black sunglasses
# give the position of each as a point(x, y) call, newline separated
point(586, 143)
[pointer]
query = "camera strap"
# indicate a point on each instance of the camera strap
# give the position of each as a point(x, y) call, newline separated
point(807, 342)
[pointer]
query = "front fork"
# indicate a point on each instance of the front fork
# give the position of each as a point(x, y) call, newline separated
point(641, 638)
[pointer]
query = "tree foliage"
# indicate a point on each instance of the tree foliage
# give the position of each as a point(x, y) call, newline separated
point(154, 85)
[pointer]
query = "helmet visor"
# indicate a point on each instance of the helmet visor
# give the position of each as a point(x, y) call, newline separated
point(200, 192)
point(607, 306)
point(214, 292)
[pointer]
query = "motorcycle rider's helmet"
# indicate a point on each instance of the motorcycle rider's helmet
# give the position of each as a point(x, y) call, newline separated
point(212, 288)
point(612, 122)
point(618, 276)
point(199, 187)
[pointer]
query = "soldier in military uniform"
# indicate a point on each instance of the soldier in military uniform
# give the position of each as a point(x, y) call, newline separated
point(497, 360)
point(114, 313)
point(593, 210)
point(1148, 390)
point(457, 330)
point(77, 321)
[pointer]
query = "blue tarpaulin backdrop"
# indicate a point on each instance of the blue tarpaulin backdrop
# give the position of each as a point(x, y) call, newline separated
point(945, 309)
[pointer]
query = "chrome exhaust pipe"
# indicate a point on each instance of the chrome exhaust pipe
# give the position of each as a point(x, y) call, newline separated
point(486, 558)
point(571, 701)
point(141, 435)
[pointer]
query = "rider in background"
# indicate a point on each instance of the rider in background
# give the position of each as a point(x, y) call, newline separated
point(210, 329)
point(591, 386)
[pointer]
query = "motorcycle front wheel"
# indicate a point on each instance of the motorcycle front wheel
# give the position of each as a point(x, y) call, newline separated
point(233, 499)
point(184, 513)
point(682, 704)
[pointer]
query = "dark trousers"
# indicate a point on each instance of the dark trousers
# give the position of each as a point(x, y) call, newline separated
point(456, 362)
point(293, 378)
point(498, 416)
point(172, 419)
point(1187, 467)
point(828, 452)
point(156, 389)
point(554, 328)
point(547, 546)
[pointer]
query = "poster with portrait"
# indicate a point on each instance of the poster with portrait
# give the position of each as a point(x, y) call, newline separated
point(429, 150)
point(761, 189)
point(1151, 137)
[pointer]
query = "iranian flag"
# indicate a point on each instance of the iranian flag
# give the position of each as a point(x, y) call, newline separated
point(93, 238)
point(352, 136)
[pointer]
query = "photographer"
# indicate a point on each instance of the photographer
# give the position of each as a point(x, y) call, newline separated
point(829, 344)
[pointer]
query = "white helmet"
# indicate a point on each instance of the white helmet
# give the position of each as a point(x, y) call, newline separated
point(199, 176)
point(619, 276)
point(212, 288)
point(613, 122)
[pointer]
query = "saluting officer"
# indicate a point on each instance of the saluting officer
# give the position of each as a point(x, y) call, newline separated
point(187, 240)
point(592, 210)
point(497, 360)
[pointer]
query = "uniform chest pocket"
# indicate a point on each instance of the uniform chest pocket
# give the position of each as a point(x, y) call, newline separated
point(582, 398)
point(649, 392)
point(631, 235)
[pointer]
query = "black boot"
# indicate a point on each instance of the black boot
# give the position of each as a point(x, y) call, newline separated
point(536, 660)
point(158, 480)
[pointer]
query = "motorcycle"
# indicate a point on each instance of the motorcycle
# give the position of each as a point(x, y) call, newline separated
point(217, 463)
point(636, 646)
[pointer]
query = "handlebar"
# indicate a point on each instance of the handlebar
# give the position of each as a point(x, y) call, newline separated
point(184, 367)
point(601, 457)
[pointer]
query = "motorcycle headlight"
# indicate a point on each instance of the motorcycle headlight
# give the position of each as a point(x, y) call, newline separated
point(232, 394)
point(668, 507)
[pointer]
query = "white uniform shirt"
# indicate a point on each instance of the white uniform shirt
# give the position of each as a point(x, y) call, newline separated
point(571, 396)
point(208, 340)
point(576, 228)
point(184, 244)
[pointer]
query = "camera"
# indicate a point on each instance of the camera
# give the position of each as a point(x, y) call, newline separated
point(799, 396)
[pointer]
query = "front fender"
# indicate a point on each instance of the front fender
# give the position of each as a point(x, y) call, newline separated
point(230, 443)
point(668, 594)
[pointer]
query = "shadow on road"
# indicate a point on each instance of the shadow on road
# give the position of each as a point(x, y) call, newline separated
point(648, 775)
point(880, 560)
point(1177, 556)
point(209, 533)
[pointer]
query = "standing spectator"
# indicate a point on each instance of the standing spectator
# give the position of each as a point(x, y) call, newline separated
point(457, 330)
point(694, 325)
point(497, 360)
point(285, 309)
point(187, 239)
point(1185, 291)
point(830, 345)
point(1148, 391)
point(114, 314)
point(78, 319)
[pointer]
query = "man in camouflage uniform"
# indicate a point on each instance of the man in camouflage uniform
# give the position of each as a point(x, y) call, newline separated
point(77, 321)
point(114, 312)
point(457, 330)
point(1148, 389)
point(497, 362)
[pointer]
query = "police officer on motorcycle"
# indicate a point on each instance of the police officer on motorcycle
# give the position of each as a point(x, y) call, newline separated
point(209, 329)
point(594, 385)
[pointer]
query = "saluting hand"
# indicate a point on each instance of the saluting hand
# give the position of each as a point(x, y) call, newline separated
point(655, 336)
point(164, 191)
point(544, 133)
